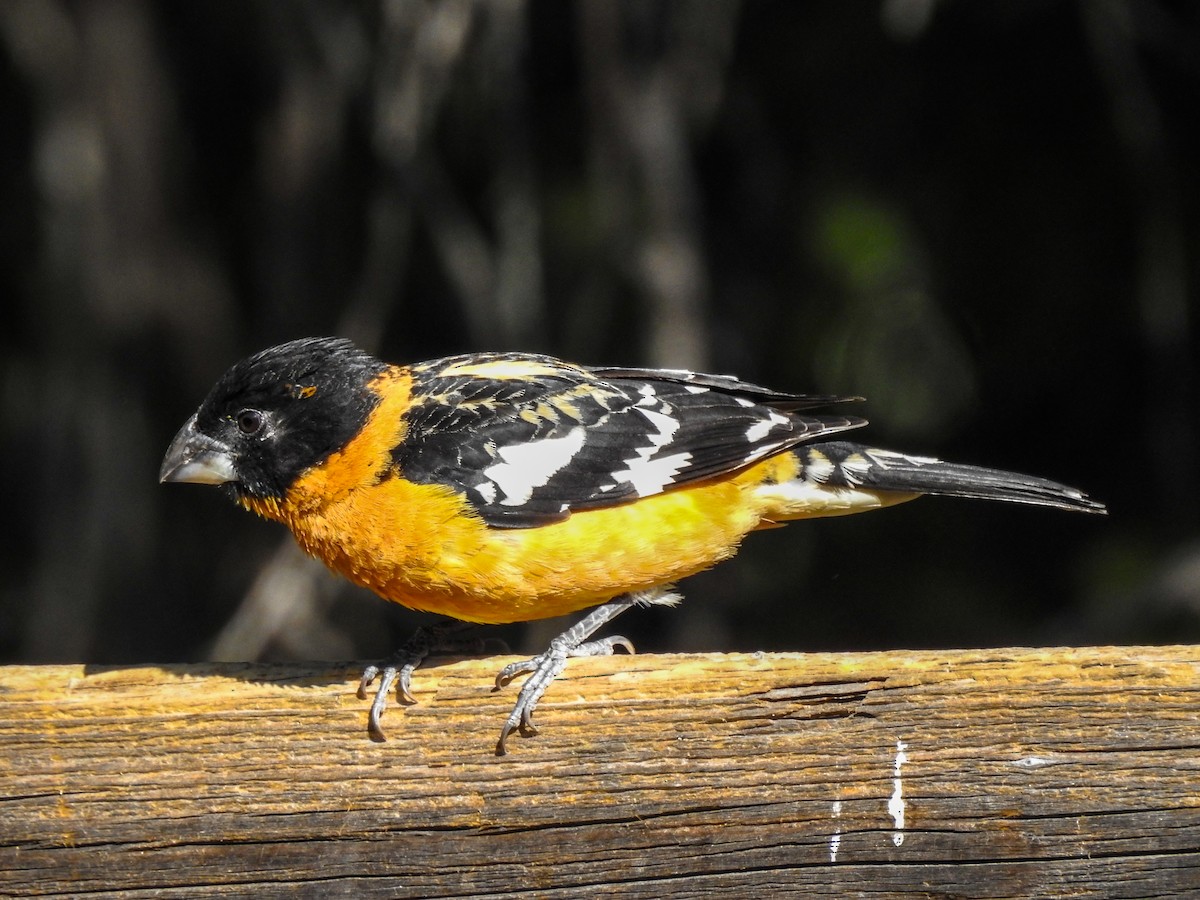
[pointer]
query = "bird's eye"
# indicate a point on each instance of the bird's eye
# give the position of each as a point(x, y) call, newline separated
point(250, 421)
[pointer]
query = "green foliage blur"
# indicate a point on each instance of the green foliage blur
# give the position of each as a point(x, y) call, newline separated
point(980, 216)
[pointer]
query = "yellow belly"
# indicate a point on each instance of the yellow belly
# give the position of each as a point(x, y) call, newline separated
point(423, 547)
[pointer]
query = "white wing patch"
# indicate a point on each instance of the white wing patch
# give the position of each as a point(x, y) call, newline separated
point(665, 427)
point(651, 476)
point(644, 472)
point(488, 491)
point(760, 429)
point(525, 467)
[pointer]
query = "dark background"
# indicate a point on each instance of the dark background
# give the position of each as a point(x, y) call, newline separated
point(980, 215)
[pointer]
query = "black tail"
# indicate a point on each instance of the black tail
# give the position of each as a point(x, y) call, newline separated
point(857, 465)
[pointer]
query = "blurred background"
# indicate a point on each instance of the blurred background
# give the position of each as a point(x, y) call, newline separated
point(982, 216)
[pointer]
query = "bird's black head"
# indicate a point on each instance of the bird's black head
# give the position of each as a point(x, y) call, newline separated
point(274, 415)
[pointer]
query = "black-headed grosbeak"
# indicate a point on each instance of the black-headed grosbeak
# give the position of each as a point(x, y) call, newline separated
point(504, 487)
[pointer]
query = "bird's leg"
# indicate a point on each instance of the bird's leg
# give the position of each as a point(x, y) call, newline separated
point(545, 667)
point(397, 669)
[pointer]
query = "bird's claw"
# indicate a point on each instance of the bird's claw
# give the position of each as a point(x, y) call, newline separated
point(397, 670)
point(542, 670)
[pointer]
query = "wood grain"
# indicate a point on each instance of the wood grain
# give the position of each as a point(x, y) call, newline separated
point(999, 773)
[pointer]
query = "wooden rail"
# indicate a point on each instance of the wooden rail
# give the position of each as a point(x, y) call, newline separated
point(999, 773)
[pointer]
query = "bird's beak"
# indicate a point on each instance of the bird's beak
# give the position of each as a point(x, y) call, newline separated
point(197, 458)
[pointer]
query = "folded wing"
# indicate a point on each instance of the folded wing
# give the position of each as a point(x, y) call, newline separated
point(529, 439)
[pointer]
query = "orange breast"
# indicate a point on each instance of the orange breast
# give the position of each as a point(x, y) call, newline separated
point(423, 545)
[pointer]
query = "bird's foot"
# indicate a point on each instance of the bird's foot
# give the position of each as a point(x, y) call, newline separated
point(545, 667)
point(397, 669)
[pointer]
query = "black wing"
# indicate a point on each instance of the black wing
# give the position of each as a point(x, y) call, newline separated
point(530, 439)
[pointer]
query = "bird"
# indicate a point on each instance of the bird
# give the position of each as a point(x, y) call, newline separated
point(507, 487)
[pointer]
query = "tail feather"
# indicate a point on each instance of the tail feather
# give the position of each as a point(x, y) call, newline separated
point(841, 464)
